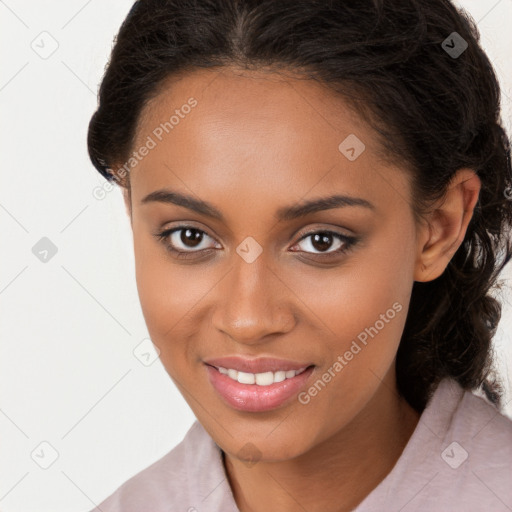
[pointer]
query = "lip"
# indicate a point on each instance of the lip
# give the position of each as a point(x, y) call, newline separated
point(260, 365)
point(255, 398)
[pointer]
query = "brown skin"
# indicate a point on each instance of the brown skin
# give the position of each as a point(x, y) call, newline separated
point(254, 143)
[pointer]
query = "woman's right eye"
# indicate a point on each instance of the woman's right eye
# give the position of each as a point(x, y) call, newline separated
point(186, 237)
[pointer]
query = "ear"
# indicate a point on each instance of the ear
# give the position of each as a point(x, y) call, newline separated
point(446, 225)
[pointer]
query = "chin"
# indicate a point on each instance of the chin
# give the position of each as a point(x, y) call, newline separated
point(264, 445)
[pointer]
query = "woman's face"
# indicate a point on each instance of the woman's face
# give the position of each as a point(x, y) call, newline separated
point(258, 276)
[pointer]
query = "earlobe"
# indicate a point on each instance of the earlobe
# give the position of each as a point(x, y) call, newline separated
point(442, 235)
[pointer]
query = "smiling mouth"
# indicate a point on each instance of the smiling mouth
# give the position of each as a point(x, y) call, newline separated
point(260, 379)
point(258, 392)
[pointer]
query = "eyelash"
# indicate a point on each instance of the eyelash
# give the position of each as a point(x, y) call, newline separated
point(349, 243)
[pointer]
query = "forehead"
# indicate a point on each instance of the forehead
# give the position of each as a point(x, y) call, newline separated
point(253, 132)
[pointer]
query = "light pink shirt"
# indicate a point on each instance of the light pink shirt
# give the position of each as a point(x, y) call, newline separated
point(458, 459)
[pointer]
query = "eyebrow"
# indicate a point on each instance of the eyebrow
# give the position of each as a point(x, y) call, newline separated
point(285, 213)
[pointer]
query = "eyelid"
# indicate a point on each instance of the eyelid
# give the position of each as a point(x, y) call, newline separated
point(322, 228)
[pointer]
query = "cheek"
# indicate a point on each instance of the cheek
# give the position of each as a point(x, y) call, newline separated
point(360, 316)
point(352, 297)
point(361, 309)
point(164, 291)
point(172, 297)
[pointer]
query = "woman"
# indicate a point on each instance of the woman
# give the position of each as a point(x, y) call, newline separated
point(318, 193)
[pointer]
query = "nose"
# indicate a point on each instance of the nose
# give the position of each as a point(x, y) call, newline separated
point(254, 304)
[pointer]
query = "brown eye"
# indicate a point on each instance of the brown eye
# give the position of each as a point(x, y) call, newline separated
point(191, 237)
point(185, 240)
point(322, 241)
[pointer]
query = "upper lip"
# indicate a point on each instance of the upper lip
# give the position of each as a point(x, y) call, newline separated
point(260, 365)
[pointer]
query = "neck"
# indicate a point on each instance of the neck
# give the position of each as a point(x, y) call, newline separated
point(336, 474)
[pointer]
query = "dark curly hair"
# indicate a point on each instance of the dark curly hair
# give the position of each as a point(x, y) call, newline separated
point(435, 111)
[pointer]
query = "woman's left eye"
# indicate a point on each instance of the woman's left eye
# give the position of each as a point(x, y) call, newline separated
point(192, 239)
point(319, 240)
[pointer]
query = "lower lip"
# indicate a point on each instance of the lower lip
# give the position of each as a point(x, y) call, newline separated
point(255, 398)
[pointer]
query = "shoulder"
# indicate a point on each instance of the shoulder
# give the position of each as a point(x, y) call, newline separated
point(472, 419)
point(177, 479)
point(459, 457)
point(486, 435)
point(470, 443)
point(474, 450)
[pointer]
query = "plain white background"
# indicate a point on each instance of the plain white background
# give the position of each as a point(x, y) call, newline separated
point(75, 396)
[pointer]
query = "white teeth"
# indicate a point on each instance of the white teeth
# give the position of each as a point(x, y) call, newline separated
point(246, 378)
point(264, 379)
point(281, 375)
point(260, 379)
